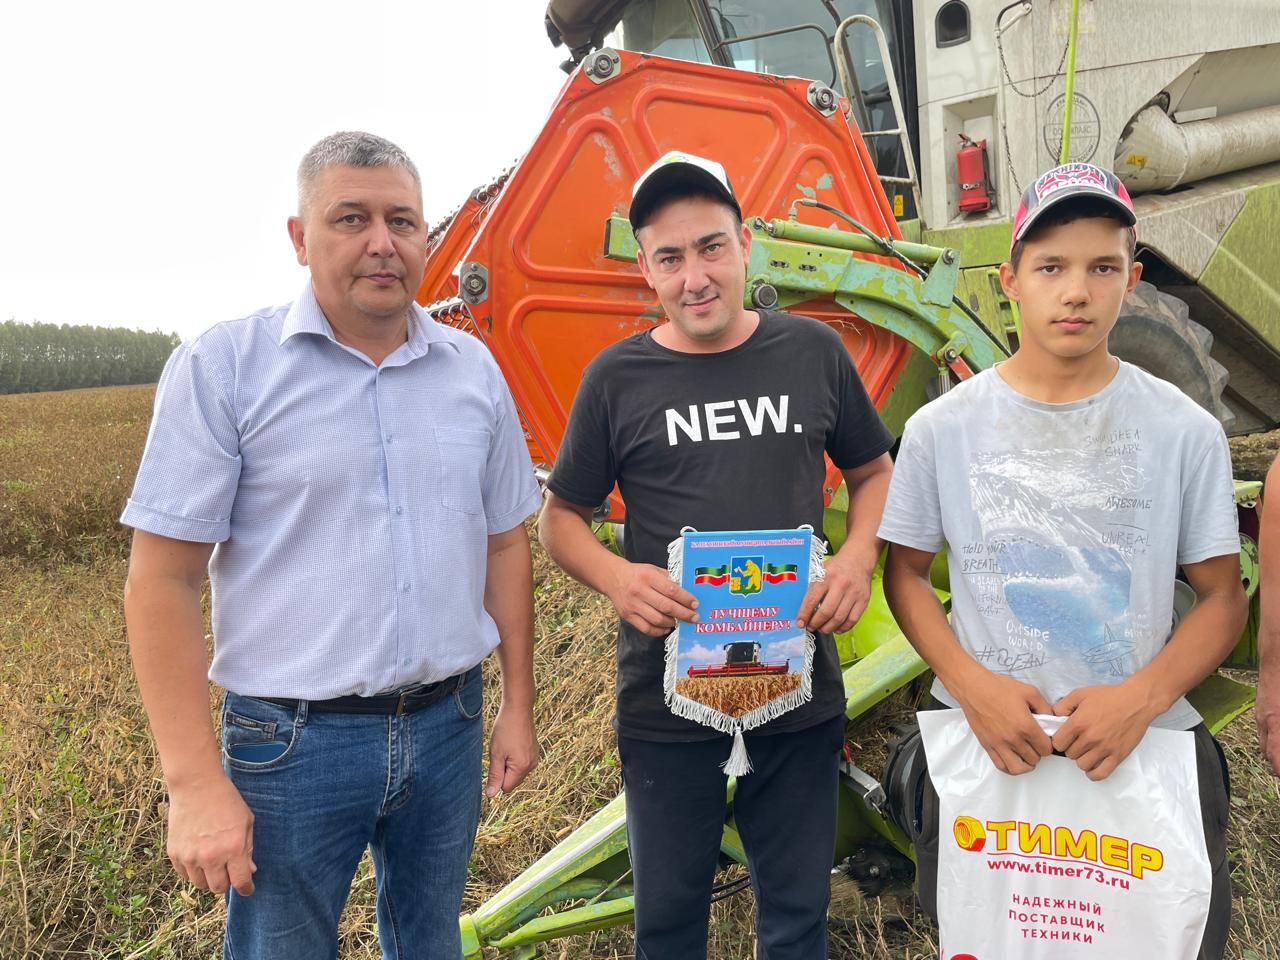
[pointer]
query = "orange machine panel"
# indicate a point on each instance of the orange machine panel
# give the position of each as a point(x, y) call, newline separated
point(450, 239)
point(446, 244)
point(551, 300)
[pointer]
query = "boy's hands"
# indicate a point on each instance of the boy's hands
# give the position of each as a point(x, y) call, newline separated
point(1105, 722)
point(999, 711)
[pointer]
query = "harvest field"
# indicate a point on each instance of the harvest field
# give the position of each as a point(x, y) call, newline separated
point(82, 868)
point(734, 696)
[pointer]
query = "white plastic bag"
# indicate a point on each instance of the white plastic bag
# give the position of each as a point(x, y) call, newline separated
point(1053, 866)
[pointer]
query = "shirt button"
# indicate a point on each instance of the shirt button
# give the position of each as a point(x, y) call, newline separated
point(404, 588)
point(388, 438)
point(399, 510)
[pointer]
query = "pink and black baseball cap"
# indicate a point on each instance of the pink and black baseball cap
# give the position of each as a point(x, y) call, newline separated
point(678, 170)
point(1070, 181)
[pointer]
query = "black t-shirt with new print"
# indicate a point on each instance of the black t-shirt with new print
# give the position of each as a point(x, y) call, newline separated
point(719, 441)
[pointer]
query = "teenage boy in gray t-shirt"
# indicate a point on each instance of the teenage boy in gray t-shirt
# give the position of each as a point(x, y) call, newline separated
point(1068, 487)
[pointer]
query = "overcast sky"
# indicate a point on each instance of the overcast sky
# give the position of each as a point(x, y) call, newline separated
point(148, 149)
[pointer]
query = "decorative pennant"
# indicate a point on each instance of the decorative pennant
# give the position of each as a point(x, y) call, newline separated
point(745, 661)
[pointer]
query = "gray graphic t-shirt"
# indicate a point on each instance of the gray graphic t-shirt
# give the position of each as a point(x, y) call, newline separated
point(1064, 523)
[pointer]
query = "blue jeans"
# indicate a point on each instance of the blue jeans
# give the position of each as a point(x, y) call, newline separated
point(785, 811)
point(322, 788)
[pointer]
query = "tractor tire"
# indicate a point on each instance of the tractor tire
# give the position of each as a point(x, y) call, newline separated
point(1155, 332)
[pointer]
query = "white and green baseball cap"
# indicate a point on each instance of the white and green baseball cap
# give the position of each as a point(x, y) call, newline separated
point(678, 169)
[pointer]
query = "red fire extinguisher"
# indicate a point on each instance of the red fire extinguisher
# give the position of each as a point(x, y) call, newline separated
point(973, 175)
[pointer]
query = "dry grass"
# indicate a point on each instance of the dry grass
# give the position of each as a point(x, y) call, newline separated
point(1251, 456)
point(67, 462)
point(734, 696)
point(82, 869)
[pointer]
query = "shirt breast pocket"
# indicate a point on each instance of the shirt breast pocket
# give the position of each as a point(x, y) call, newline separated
point(463, 454)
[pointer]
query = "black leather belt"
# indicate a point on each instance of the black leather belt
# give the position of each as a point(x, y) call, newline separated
point(409, 700)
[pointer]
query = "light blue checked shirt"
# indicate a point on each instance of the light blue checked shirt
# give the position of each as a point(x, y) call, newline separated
point(350, 504)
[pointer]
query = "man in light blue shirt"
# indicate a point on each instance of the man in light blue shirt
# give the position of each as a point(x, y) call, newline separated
point(354, 478)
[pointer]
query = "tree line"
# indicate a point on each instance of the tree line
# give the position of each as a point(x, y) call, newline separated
point(45, 356)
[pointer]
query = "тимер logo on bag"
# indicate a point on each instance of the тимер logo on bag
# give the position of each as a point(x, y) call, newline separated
point(1041, 841)
point(969, 834)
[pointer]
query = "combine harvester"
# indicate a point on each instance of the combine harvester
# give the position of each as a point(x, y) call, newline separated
point(539, 266)
point(741, 659)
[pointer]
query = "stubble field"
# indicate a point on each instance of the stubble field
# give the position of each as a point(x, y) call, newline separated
point(82, 868)
point(734, 696)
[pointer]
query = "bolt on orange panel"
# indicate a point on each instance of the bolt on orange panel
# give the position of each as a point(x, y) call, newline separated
point(538, 286)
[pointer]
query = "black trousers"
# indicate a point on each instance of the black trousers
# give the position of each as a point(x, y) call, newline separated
point(1215, 798)
point(785, 811)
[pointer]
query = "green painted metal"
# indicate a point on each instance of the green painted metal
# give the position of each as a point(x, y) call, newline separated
point(857, 823)
point(607, 533)
point(1010, 314)
point(1244, 272)
point(980, 288)
point(801, 261)
point(909, 391)
point(848, 240)
point(876, 627)
point(1064, 153)
point(619, 241)
point(890, 666)
point(731, 841)
point(1219, 700)
point(1244, 655)
point(599, 840)
point(470, 938)
point(1247, 491)
point(835, 518)
point(983, 244)
point(581, 889)
point(912, 232)
point(885, 296)
point(940, 286)
point(594, 916)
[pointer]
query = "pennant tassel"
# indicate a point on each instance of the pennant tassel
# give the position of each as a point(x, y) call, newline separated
point(738, 764)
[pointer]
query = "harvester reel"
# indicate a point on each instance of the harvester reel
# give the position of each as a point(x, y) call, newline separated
point(1155, 332)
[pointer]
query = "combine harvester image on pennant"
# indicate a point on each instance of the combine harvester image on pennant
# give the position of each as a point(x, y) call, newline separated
point(745, 661)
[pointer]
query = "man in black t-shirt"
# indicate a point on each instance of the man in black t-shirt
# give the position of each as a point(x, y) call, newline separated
point(718, 419)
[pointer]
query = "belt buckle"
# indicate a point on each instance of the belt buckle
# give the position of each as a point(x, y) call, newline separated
point(400, 706)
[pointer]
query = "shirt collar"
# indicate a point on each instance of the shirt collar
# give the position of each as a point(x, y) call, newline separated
point(305, 316)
